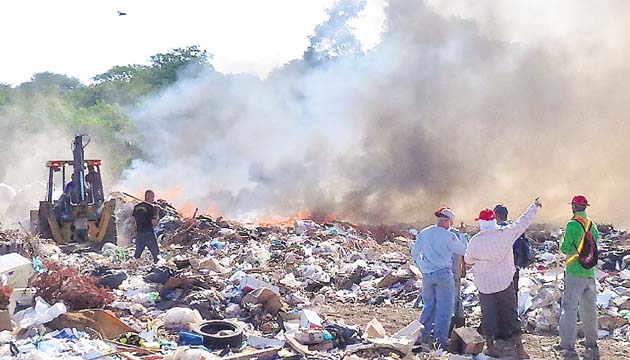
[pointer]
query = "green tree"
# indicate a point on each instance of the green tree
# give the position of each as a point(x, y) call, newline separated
point(120, 73)
point(5, 92)
point(165, 67)
point(56, 101)
point(126, 85)
point(50, 83)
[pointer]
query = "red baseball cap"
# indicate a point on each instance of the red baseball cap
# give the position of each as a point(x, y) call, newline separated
point(580, 200)
point(486, 214)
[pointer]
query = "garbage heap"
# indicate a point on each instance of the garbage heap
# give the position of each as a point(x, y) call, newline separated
point(541, 286)
point(233, 290)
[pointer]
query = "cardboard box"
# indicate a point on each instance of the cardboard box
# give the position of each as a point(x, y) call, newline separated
point(249, 283)
point(21, 298)
point(323, 346)
point(374, 329)
point(471, 341)
point(17, 268)
point(5, 320)
point(270, 300)
point(309, 337)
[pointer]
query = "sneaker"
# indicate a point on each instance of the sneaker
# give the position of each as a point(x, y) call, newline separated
point(558, 347)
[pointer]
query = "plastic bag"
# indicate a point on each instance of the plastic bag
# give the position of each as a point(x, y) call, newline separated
point(181, 318)
point(42, 313)
point(186, 353)
point(145, 299)
point(35, 355)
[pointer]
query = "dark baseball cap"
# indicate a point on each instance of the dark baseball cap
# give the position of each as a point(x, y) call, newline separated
point(501, 211)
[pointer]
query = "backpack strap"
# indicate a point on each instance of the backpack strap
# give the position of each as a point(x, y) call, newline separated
point(586, 226)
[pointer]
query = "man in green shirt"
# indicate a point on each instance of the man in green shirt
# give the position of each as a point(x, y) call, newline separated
point(579, 284)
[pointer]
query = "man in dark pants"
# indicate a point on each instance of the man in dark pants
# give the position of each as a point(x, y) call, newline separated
point(520, 250)
point(490, 254)
point(146, 217)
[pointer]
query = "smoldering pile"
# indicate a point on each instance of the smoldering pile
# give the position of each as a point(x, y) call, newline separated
point(271, 280)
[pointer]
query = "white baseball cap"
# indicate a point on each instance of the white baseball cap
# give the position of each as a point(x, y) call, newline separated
point(446, 212)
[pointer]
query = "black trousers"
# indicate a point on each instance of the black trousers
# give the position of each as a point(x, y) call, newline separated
point(148, 240)
point(499, 313)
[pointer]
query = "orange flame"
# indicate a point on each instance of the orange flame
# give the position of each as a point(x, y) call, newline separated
point(306, 214)
point(212, 210)
point(186, 209)
point(169, 193)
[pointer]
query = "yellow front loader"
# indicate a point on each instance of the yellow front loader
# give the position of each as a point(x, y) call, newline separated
point(80, 213)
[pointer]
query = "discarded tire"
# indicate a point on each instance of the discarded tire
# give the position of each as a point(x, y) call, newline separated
point(219, 334)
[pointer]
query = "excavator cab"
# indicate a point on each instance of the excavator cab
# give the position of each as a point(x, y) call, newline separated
point(80, 212)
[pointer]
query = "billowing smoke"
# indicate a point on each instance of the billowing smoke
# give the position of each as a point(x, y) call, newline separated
point(32, 135)
point(438, 112)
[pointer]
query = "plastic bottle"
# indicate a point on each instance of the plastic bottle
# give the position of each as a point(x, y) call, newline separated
point(189, 338)
point(38, 265)
point(217, 244)
point(121, 254)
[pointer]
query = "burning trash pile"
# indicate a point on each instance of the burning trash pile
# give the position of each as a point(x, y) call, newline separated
point(231, 290)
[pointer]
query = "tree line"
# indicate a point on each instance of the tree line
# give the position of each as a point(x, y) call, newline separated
point(57, 101)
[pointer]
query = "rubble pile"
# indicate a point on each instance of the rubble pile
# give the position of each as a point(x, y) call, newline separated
point(331, 261)
point(232, 290)
point(12, 241)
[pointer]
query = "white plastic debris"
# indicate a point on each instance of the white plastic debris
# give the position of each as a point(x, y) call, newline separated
point(17, 269)
point(524, 302)
point(186, 353)
point(180, 317)
point(251, 283)
point(41, 314)
point(603, 299)
point(260, 342)
point(310, 320)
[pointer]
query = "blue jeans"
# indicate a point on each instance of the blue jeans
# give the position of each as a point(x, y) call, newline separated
point(438, 288)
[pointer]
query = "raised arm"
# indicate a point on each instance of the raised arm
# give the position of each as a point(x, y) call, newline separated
point(519, 226)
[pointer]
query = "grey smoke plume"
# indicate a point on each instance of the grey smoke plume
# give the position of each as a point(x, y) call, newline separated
point(438, 112)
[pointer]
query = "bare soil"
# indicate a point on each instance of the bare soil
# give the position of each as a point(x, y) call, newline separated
point(393, 318)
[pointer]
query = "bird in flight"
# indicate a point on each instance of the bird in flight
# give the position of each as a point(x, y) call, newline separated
point(120, 13)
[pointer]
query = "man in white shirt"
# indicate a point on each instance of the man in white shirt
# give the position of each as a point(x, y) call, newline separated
point(490, 253)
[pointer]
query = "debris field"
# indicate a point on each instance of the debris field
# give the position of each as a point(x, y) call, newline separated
point(300, 289)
